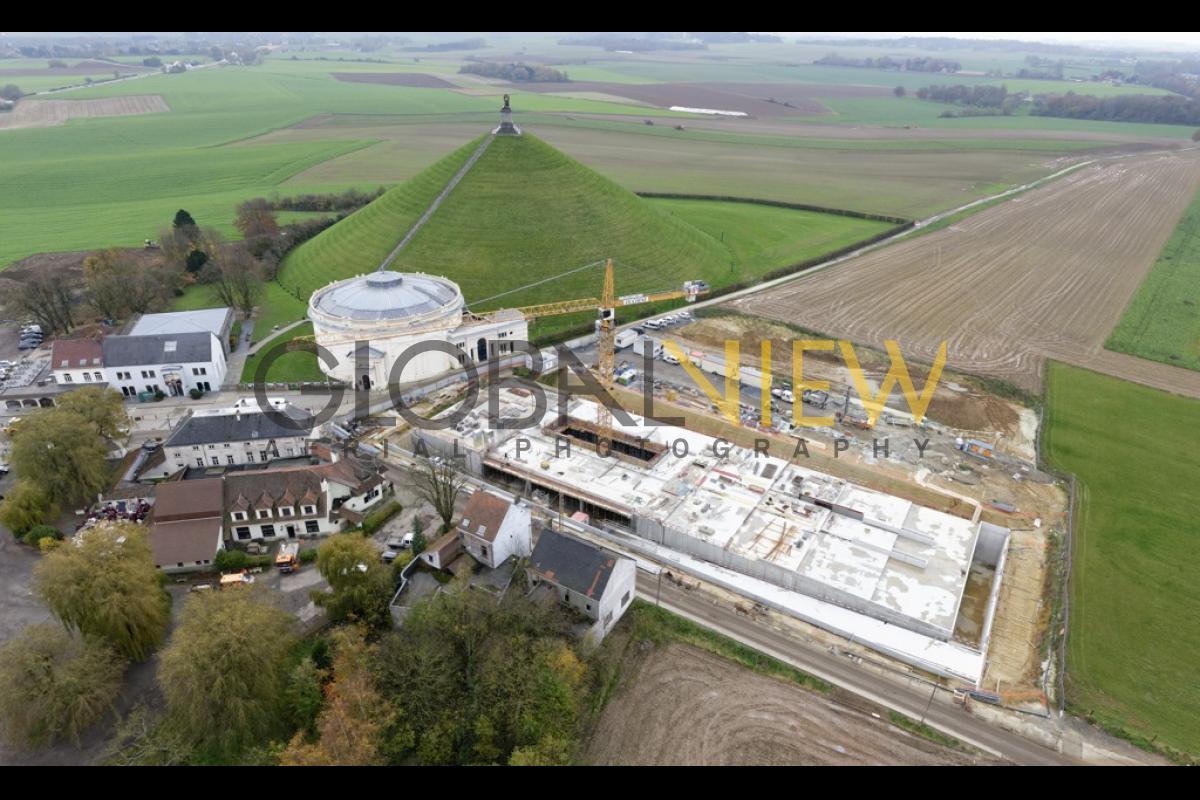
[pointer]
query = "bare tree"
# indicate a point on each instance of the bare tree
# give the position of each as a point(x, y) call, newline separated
point(439, 483)
point(236, 276)
point(47, 299)
point(256, 218)
point(119, 283)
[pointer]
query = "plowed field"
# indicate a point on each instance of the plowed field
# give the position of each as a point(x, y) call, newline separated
point(1043, 275)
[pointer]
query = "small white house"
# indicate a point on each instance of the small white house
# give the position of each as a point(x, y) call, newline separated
point(493, 529)
point(595, 582)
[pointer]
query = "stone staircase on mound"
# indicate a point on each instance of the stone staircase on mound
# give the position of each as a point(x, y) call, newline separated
point(437, 201)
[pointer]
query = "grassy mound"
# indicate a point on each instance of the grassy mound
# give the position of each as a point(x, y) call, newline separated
point(360, 242)
point(525, 212)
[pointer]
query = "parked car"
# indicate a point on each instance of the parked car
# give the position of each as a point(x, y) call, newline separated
point(670, 359)
point(388, 556)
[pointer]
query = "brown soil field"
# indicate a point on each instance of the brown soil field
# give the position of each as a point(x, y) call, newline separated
point(47, 113)
point(1043, 275)
point(420, 80)
point(750, 98)
point(688, 707)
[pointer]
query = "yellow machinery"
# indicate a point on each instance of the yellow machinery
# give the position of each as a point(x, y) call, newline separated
point(606, 308)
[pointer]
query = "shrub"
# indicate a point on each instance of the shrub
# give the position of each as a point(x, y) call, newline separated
point(39, 532)
point(374, 521)
point(227, 560)
point(307, 555)
point(195, 393)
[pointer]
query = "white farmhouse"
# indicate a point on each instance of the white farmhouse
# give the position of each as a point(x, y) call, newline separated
point(494, 529)
point(173, 363)
point(239, 434)
point(595, 582)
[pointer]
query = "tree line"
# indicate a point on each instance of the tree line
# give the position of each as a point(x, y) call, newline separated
point(916, 64)
point(119, 282)
point(517, 72)
point(980, 96)
point(1165, 109)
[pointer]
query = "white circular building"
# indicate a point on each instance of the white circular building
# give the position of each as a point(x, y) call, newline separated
point(392, 311)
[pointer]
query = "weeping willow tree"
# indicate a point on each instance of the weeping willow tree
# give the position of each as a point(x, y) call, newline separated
point(105, 585)
point(55, 685)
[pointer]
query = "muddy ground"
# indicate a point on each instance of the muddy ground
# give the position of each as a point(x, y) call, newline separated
point(682, 705)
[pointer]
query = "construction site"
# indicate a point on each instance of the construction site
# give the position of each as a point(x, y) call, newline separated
point(855, 561)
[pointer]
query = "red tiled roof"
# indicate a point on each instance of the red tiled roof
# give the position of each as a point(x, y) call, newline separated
point(76, 353)
point(484, 514)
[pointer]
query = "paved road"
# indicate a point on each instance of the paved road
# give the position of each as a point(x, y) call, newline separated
point(841, 672)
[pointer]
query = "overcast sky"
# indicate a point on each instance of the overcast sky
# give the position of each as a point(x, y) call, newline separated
point(1191, 39)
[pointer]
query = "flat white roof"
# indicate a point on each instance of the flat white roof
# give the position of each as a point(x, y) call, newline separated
point(203, 319)
point(882, 549)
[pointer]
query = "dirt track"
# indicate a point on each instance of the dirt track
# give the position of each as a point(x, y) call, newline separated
point(686, 706)
point(47, 113)
point(1043, 275)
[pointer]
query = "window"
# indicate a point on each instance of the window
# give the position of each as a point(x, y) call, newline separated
point(199, 462)
point(67, 378)
point(198, 371)
point(87, 376)
point(484, 551)
point(262, 454)
point(268, 531)
point(242, 533)
point(287, 511)
point(227, 445)
point(250, 456)
point(216, 461)
point(312, 526)
point(263, 513)
point(229, 459)
point(195, 447)
point(588, 606)
point(212, 447)
point(99, 377)
point(625, 600)
point(239, 516)
point(608, 619)
point(179, 564)
point(310, 510)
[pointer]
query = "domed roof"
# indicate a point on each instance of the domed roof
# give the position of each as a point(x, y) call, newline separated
point(386, 295)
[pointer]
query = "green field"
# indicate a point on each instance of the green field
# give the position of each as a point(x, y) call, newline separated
point(1162, 322)
point(1135, 586)
point(761, 238)
point(294, 367)
point(117, 180)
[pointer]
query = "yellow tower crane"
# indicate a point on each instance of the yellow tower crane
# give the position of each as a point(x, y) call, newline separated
point(606, 308)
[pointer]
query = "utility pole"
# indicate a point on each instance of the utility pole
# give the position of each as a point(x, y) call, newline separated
point(927, 705)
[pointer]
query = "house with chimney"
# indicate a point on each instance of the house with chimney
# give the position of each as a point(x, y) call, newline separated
point(244, 433)
point(493, 530)
point(267, 505)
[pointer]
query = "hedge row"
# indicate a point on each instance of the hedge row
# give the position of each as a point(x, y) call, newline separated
point(374, 521)
point(758, 201)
